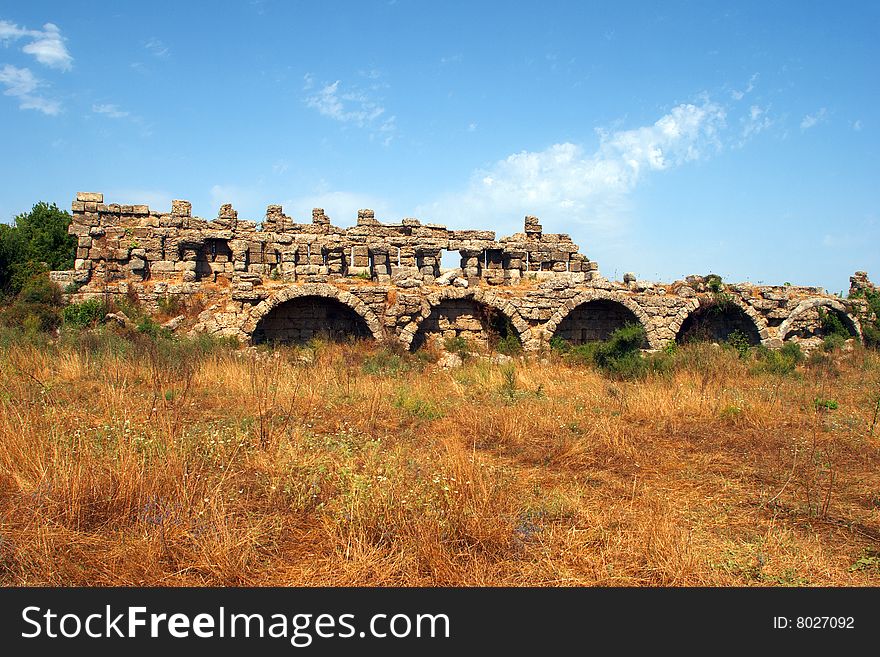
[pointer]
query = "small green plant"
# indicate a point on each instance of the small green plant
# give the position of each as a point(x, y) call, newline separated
point(458, 345)
point(509, 345)
point(416, 406)
point(170, 304)
point(740, 342)
point(385, 361)
point(149, 326)
point(821, 404)
point(559, 345)
point(713, 283)
point(509, 385)
point(869, 561)
point(833, 342)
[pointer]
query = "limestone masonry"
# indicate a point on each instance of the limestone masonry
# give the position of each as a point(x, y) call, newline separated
point(287, 281)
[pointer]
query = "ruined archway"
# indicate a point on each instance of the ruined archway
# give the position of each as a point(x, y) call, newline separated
point(324, 311)
point(477, 323)
point(595, 320)
point(475, 315)
point(718, 320)
point(304, 318)
point(600, 313)
point(806, 320)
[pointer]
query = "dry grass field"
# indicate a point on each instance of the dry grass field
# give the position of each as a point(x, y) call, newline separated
point(132, 462)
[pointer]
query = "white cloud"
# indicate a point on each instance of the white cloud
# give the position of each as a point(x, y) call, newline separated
point(351, 107)
point(21, 83)
point(157, 48)
point(564, 184)
point(857, 125)
point(109, 110)
point(754, 123)
point(46, 45)
point(811, 120)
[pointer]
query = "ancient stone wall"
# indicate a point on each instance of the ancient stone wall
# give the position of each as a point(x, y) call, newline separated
point(289, 281)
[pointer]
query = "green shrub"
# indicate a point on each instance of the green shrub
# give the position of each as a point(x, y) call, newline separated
point(619, 356)
point(509, 345)
point(833, 342)
point(87, 313)
point(35, 307)
point(713, 283)
point(832, 324)
point(740, 342)
point(149, 326)
point(388, 361)
point(458, 345)
point(622, 343)
point(37, 243)
point(780, 362)
point(559, 345)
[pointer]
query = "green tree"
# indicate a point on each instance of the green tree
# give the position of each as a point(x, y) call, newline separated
point(37, 243)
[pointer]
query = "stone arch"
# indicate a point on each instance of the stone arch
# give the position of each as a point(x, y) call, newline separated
point(851, 323)
point(477, 295)
point(744, 316)
point(553, 324)
point(321, 291)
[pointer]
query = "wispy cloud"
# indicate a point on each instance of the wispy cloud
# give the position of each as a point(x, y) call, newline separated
point(811, 120)
point(754, 123)
point(22, 84)
point(157, 48)
point(113, 111)
point(857, 125)
point(737, 94)
point(565, 184)
point(451, 59)
point(109, 110)
point(46, 45)
point(351, 106)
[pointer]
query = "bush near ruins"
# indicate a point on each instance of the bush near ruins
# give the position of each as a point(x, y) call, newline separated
point(37, 243)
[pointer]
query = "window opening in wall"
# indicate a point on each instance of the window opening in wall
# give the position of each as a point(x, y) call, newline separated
point(449, 259)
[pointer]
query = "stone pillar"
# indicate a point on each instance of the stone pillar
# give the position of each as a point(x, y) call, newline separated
point(471, 265)
point(532, 227)
point(428, 262)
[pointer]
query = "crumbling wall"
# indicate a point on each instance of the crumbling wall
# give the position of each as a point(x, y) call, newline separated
point(389, 275)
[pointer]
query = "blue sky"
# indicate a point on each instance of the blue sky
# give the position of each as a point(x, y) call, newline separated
point(666, 138)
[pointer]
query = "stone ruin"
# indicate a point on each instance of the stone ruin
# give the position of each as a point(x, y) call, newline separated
point(288, 282)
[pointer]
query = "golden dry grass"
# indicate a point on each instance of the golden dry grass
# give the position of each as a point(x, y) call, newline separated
point(351, 465)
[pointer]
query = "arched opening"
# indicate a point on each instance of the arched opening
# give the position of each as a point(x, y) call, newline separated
point(595, 320)
point(718, 322)
point(820, 322)
point(301, 319)
point(481, 325)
